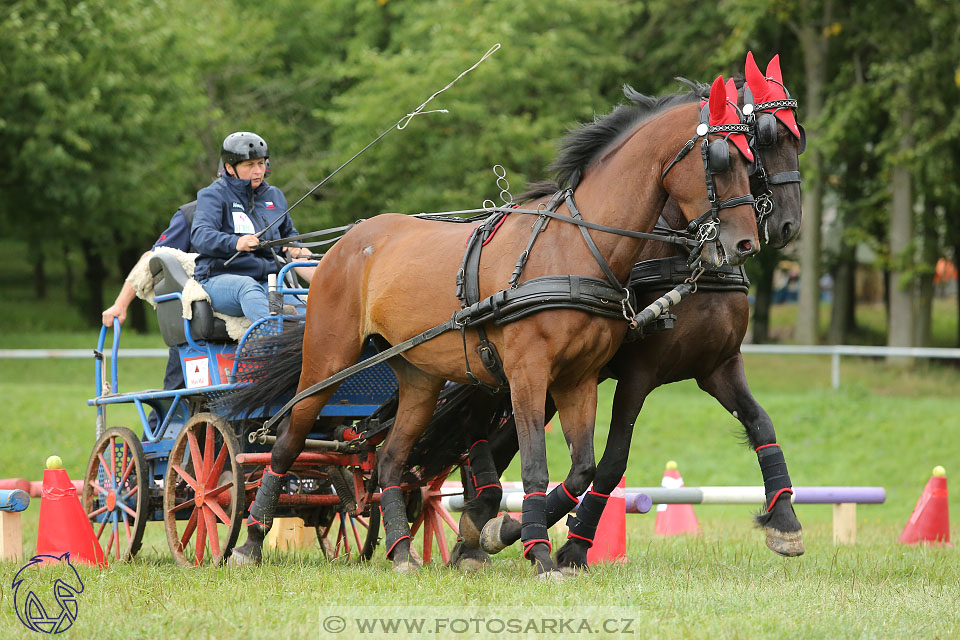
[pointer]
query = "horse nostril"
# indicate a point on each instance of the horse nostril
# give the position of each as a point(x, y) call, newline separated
point(745, 247)
point(787, 230)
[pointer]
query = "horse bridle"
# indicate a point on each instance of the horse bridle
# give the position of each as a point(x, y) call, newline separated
point(716, 159)
point(763, 125)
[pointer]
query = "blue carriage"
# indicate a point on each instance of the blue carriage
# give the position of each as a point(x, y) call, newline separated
point(196, 470)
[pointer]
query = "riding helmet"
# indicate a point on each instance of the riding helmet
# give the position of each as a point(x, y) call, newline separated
point(243, 145)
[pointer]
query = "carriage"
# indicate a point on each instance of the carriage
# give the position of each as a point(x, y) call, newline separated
point(323, 467)
point(197, 471)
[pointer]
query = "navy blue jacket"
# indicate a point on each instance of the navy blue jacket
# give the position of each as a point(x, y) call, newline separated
point(222, 207)
point(177, 235)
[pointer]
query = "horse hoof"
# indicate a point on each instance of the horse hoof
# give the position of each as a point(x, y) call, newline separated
point(572, 571)
point(786, 543)
point(493, 539)
point(406, 567)
point(553, 576)
point(238, 559)
point(468, 559)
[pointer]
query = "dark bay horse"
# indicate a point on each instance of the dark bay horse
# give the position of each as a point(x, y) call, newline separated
point(392, 276)
point(703, 345)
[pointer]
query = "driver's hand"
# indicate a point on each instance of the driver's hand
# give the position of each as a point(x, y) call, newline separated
point(247, 243)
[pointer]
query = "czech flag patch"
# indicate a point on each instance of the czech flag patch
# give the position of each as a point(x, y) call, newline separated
point(270, 205)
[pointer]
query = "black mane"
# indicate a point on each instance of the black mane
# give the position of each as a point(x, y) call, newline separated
point(581, 146)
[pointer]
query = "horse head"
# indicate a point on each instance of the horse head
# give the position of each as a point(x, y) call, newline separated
point(31, 588)
point(778, 140)
point(713, 194)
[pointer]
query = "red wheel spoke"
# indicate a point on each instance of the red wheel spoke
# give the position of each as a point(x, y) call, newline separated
point(113, 534)
point(188, 531)
point(195, 454)
point(343, 534)
point(201, 536)
point(356, 534)
point(98, 488)
point(126, 472)
point(126, 524)
point(207, 453)
point(186, 476)
point(217, 466)
point(132, 491)
point(363, 523)
point(107, 470)
point(124, 469)
point(218, 490)
point(181, 506)
point(217, 509)
point(212, 534)
point(103, 525)
point(94, 514)
point(113, 459)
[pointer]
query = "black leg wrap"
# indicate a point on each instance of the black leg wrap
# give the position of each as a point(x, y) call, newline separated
point(559, 503)
point(486, 481)
point(265, 504)
point(394, 517)
point(533, 525)
point(774, 469)
point(583, 526)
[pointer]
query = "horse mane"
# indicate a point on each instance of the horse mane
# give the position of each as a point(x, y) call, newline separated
point(584, 144)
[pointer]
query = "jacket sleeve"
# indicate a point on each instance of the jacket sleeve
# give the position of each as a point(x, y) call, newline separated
point(176, 235)
point(207, 235)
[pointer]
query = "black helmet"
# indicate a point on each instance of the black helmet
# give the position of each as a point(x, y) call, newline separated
point(241, 146)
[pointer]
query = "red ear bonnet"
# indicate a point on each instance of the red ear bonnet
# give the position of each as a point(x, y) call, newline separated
point(738, 139)
point(723, 110)
point(765, 88)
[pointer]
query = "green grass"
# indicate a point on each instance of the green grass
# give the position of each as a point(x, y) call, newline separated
point(884, 427)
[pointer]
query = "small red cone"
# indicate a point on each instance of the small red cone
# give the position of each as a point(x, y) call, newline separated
point(930, 521)
point(610, 542)
point(63, 526)
point(675, 519)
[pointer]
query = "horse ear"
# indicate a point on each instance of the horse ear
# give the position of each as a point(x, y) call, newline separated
point(718, 101)
point(754, 77)
point(773, 69)
point(66, 557)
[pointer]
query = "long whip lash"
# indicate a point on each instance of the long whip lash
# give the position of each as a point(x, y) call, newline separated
point(400, 125)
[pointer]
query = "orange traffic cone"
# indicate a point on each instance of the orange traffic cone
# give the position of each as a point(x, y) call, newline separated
point(610, 543)
point(930, 521)
point(674, 519)
point(63, 526)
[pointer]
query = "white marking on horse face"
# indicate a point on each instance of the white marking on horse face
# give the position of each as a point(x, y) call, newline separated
point(735, 415)
point(368, 250)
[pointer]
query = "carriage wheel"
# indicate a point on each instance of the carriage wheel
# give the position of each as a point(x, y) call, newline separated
point(202, 506)
point(116, 492)
point(346, 534)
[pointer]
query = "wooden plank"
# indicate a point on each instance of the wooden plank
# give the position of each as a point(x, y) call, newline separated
point(845, 523)
point(290, 534)
point(11, 539)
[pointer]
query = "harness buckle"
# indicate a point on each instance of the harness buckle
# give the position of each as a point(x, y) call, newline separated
point(628, 313)
point(692, 280)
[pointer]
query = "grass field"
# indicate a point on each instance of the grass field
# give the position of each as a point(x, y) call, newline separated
point(884, 427)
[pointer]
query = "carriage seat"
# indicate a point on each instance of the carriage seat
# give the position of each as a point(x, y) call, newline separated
point(169, 277)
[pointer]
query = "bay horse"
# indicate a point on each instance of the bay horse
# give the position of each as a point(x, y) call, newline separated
point(704, 345)
point(381, 279)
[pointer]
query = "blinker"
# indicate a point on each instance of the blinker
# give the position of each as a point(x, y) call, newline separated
point(718, 156)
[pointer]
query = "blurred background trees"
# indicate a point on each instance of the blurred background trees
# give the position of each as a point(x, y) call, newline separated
point(112, 113)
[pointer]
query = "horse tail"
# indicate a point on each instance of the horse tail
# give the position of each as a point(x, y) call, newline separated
point(464, 414)
point(271, 368)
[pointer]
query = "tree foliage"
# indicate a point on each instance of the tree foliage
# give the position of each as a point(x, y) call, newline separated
point(113, 111)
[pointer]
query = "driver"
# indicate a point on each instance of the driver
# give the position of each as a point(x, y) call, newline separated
point(230, 212)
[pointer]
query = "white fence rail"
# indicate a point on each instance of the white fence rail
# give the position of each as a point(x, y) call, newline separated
point(834, 351)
